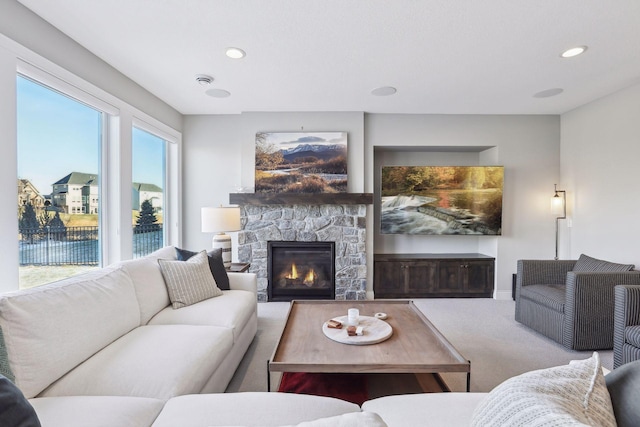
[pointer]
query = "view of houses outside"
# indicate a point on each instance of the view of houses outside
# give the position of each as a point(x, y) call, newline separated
point(59, 144)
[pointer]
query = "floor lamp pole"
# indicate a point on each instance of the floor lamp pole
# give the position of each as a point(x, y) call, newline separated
point(556, 200)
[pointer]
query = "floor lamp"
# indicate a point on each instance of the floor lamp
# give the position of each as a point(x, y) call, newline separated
point(559, 208)
point(219, 220)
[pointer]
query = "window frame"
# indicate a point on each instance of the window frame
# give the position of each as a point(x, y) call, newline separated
point(115, 180)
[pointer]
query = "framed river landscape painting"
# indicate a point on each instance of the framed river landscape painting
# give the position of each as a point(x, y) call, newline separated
point(301, 162)
point(441, 200)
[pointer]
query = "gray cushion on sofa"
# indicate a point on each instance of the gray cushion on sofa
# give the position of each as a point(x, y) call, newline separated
point(15, 410)
point(587, 264)
point(623, 384)
point(216, 265)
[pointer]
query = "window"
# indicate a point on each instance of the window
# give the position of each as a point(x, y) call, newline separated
point(59, 147)
point(148, 192)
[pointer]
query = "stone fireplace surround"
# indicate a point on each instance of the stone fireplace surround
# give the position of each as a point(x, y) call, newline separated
point(344, 224)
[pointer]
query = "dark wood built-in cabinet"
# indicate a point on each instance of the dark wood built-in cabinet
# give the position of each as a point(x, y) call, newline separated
point(433, 275)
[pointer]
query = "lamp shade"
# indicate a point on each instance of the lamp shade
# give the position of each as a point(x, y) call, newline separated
point(557, 204)
point(220, 219)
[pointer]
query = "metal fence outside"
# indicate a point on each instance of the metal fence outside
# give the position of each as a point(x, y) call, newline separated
point(78, 245)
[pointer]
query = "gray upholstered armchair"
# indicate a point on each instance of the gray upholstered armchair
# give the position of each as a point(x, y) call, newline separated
point(571, 302)
point(626, 325)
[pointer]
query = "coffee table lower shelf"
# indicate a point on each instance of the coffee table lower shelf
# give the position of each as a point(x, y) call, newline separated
point(385, 384)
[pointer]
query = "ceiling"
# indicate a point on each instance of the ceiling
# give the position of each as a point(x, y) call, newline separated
point(442, 56)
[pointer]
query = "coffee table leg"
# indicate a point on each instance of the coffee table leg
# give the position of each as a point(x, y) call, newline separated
point(268, 377)
point(468, 381)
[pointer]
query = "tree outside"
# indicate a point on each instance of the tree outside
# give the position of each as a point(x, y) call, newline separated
point(28, 223)
point(147, 220)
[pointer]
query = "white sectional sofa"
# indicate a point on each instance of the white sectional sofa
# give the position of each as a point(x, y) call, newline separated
point(109, 341)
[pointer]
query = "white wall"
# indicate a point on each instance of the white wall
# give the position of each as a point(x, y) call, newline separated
point(219, 158)
point(600, 161)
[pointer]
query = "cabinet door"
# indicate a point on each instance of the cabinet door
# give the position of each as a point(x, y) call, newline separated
point(421, 277)
point(451, 277)
point(388, 279)
point(479, 276)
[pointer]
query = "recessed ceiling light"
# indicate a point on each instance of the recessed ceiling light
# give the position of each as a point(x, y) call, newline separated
point(203, 79)
point(549, 92)
point(235, 53)
point(218, 93)
point(574, 51)
point(384, 91)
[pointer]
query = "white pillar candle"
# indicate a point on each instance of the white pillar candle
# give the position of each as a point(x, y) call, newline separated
point(352, 316)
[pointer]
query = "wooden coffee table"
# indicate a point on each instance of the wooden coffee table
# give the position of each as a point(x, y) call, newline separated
point(415, 347)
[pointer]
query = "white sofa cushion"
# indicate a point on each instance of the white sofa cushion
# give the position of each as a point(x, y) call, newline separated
point(232, 310)
point(96, 411)
point(50, 329)
point(243, 282)
point(249, 409)
point(189, 282)
point(158, 361)
point(432, 409)
point(354, 419)
point(148, 282)
point(570, 395)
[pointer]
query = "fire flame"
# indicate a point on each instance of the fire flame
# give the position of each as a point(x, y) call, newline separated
point(310, 277)
point(294, 272)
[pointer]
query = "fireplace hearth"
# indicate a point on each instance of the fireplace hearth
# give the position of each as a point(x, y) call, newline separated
point(300, 270)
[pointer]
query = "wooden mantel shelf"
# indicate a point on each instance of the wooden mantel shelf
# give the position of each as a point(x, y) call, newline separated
point(301, 198)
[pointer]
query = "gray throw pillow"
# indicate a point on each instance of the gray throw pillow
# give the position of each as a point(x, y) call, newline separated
point(587, 264)
point(15, 409)
point(215, 265)
point(189, 282)
point(623, 384)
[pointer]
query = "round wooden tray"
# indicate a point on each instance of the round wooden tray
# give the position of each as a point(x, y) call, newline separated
point(375, 331)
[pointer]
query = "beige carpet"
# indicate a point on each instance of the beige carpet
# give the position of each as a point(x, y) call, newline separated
point(482, 329)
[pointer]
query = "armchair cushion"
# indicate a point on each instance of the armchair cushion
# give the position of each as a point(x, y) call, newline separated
point(587, 264)
point(632, 335)
point(551, 296)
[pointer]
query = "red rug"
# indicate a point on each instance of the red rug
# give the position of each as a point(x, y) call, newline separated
point(349, 387)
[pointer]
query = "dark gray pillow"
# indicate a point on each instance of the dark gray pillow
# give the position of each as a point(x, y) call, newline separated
point(623, 384)
point(15, 409)
point(215, 265)
point(587, 264)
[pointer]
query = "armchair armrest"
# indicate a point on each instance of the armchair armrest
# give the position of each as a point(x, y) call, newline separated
point(543, 272)
point(626, 313)
point(589, 307)
point(243, 282)
point(627, 303)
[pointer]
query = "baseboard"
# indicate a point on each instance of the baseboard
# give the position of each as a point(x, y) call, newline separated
point(502, 295)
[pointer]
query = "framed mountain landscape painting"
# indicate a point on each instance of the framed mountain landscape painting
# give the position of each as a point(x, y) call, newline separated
point(301, 162)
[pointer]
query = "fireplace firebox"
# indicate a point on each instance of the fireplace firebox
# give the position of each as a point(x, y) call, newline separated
point(300, 270)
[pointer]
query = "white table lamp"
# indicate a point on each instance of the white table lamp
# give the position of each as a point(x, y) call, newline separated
point(218, 220)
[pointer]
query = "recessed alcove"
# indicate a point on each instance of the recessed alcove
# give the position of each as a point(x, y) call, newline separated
point(479, 155)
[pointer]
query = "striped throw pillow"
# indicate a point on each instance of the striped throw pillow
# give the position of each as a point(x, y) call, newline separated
point(587, 264)
point(570, 395)
point(189, 282)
